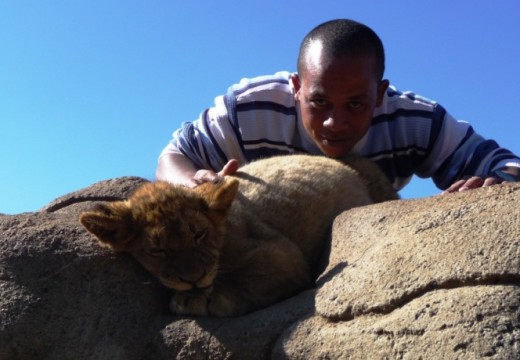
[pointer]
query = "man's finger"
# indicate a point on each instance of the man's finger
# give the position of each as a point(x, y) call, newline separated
point(490, 181)
point(230, 168)
point(454, 187)
point(472, 183)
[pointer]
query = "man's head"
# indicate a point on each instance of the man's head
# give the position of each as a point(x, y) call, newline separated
point(339, 83)
point(344, 37)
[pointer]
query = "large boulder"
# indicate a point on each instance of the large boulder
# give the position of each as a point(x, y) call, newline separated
point(432, 278)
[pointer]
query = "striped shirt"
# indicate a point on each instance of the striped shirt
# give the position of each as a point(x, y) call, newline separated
point(409, 134)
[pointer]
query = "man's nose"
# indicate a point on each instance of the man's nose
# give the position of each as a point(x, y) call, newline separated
point(337, 120)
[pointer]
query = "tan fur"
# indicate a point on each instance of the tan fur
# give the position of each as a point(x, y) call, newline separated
point(244, 243)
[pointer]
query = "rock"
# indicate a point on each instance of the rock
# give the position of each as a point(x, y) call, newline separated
point(471, 322)
point(107, 190)
point(437, 278)
point(407, 249)
point(432, 278)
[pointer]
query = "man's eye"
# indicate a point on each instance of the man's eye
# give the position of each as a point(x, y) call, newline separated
point(319, 102)
point(355, 105)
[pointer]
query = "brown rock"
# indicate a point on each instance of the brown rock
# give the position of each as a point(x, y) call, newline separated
point(387, 254)
point(471, 322)
point(436, 277)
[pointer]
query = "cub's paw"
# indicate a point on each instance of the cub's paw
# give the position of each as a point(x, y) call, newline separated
point(187, 303)
point(212, 303)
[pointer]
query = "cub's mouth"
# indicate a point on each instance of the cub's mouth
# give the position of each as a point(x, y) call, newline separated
point(202, 284)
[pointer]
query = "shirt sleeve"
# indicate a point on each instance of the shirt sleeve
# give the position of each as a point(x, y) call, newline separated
point(210, 141)
point(457, 151)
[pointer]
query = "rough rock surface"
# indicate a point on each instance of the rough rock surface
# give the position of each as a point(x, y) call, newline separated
point(430, 278)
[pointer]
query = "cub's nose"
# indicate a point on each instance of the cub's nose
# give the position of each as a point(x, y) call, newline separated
point(192, 265)
point(192, 277)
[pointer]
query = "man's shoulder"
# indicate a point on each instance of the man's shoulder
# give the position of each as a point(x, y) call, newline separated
point(274, 88)
point(397, 100)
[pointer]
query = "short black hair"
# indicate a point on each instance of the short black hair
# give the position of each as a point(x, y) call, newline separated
point(344, 37)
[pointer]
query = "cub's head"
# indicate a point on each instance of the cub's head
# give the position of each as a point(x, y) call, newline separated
point(173, 231)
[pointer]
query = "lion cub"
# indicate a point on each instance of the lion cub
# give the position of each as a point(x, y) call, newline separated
point(247, 242)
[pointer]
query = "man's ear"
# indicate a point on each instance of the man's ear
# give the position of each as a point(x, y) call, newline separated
point(219, 196)
point(296, 83)
point(381, 90)
point(112, 224)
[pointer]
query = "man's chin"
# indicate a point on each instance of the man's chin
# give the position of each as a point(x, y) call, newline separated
point(335, 151)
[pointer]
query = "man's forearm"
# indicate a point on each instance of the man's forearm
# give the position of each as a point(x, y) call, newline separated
point(176, 169)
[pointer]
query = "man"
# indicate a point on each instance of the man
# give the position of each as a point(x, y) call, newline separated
point(337, 103)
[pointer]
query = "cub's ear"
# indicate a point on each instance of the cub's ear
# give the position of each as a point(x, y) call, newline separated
point(112, 224)
point(219, 196)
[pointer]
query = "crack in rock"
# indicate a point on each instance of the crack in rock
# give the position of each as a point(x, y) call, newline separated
point(351, 313)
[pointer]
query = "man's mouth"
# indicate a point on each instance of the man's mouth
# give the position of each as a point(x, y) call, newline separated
point(333, 140)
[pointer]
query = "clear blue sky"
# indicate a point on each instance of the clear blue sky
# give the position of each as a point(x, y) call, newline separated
point(91, 90)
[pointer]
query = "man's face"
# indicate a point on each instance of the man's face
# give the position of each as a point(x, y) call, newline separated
point(337, 99)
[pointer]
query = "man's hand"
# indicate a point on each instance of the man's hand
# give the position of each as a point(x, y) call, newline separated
point(178, 169)
point(472, 183)
point(507, 174)
point(203, 175)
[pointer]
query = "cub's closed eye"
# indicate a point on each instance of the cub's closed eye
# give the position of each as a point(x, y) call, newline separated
point(200, 235)
point(156, 252)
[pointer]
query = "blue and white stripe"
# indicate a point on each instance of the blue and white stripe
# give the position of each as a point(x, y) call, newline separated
point(409, 134)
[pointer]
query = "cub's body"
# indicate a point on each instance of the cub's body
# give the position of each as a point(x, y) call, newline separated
point(299, 197)
point(244, 243)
